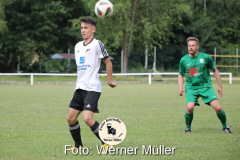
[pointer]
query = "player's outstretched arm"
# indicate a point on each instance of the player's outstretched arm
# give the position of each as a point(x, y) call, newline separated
point(180, 84)
point(108, 63)
point(218, 78)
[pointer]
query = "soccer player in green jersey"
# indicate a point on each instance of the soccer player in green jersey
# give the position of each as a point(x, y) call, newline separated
point(195, 66)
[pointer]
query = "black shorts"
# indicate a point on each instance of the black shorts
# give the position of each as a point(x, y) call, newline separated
point(85, 100)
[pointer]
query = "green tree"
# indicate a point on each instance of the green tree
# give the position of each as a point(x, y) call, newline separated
point(3, 25)
point(37, 28)
point(216, 24)
point(226, 15)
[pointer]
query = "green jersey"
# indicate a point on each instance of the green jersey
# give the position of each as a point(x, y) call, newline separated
point(196, 70)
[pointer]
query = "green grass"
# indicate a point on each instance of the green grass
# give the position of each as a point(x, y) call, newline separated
point(33, 122)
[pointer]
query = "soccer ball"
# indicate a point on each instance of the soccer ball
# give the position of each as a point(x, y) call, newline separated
point(104, 9)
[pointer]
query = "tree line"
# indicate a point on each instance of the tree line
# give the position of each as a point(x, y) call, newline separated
point(31, 31)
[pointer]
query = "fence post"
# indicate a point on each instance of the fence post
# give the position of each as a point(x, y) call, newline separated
point(215, 58)
point(230, 78)
point(149, 79)
point(122, 61)
point(31, 79)
point(237, 60)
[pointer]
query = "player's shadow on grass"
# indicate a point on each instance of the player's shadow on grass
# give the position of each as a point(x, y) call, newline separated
point(206, 130)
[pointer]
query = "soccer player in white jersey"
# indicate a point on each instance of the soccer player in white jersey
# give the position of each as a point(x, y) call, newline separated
point(88, 55)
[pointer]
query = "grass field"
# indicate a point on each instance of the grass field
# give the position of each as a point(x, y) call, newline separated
point(33, 122)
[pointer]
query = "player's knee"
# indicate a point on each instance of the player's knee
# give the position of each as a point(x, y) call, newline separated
point(218, 109)
point(216, 106)
point(190, 107)
point(190, 110)
point(87, 119)
point(71, 120)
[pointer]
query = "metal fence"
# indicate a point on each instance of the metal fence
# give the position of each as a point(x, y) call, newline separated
point(229, 74)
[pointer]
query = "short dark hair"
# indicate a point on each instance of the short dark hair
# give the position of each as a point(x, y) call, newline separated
point(89, 20)
point(193, 39)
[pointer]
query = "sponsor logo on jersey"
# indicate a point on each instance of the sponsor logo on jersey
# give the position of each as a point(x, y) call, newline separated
point(82, 60)
point(192, 71)
point(201, 60)
point(87, 50)
point(83, 67)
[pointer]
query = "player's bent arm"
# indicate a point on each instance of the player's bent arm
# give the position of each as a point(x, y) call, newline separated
point(108, 63)
point(218, 78)
point(180, 84)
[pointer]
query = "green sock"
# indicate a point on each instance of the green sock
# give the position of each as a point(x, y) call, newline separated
point(223, 118)
point(188, 120)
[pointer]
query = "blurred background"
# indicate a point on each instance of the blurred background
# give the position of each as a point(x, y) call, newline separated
point(141, 36)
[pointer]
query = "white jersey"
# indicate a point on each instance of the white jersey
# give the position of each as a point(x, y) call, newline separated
point(88, 60)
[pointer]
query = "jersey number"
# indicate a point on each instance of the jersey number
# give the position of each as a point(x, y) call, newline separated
point(82, 60)
point(192, 71)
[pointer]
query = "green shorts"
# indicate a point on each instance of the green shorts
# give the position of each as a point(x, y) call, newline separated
point(207, 95)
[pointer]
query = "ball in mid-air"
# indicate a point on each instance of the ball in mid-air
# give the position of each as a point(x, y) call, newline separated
point(104, 9)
